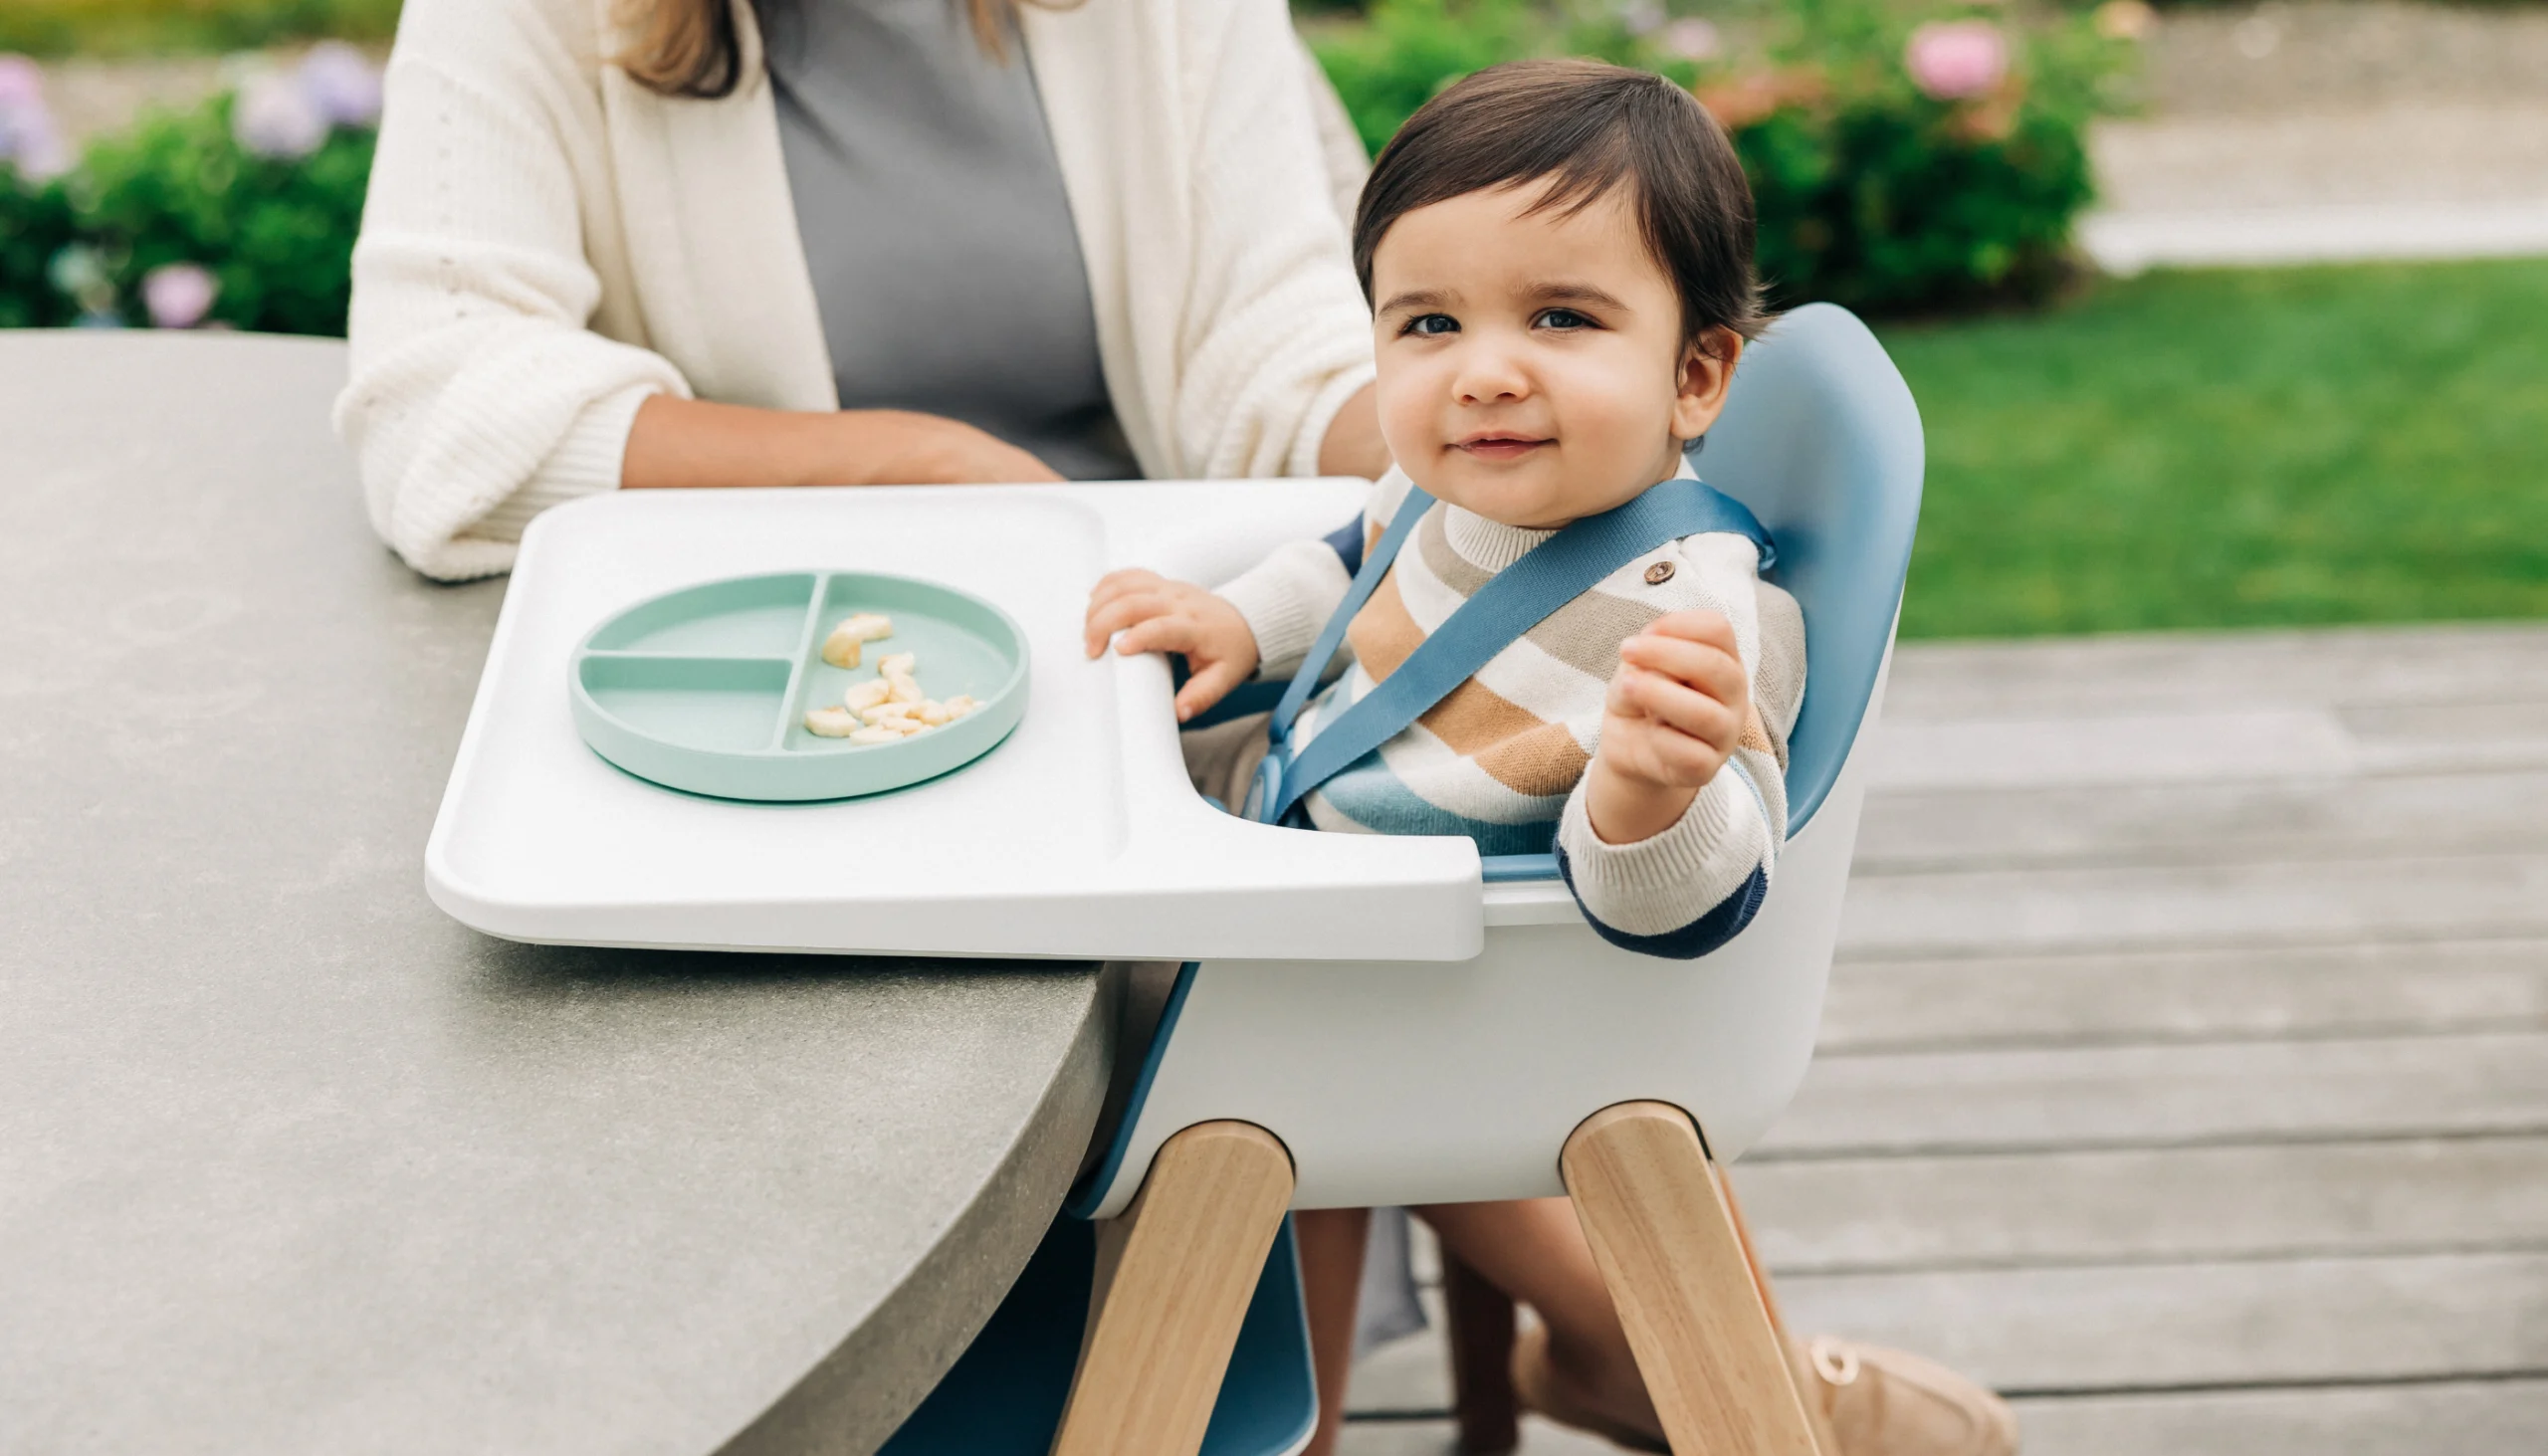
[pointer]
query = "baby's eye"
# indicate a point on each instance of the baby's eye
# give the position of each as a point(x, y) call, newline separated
point(1432, 323)
point(1564, 318)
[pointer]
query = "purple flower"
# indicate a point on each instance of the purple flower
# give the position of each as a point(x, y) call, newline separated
point(178, 295)
point(29, 140)
point(341, 83)
point(1693, 39)
point(274, 117)
point(1952, 60)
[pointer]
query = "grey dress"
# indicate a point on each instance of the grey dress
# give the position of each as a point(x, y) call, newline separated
point(935, 227)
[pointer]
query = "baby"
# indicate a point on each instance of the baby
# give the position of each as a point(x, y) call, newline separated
point(1558, 261)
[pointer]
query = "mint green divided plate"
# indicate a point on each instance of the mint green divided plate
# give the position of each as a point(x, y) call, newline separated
point(705, 688)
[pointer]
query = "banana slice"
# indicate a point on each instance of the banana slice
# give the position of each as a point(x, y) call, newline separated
point(898, 664)
point(876, 735)
point(832, 723)
point(886, 712)
point(933, 713)
point(841, 647)
point(863, 696)
point(904, 687)
point(959, 705)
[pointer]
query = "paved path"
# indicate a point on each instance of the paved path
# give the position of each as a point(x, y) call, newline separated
point(2328, 132)
point(2186, 1068)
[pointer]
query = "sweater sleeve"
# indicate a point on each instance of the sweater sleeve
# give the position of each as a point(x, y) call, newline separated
point(1287, 597)
point(478, 394)
point(1278, 338)
point(1695, 884)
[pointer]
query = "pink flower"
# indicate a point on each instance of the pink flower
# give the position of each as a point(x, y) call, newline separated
point(178, 295)
point(274, 117)
point(29, 140)
point(21, 82)
point(341, 83)
point(1692, 38)
point(1952, 60)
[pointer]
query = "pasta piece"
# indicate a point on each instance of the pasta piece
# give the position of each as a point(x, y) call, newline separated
point(831, 722)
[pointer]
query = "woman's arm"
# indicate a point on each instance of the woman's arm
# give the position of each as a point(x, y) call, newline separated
point(1279, 341)
point(691, 443)
point(480, 392)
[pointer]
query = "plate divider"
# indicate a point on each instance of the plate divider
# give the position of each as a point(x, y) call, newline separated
point(788, 709)
point(622, 653)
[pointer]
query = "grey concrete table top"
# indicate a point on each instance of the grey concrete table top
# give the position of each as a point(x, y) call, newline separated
point(291, 1162)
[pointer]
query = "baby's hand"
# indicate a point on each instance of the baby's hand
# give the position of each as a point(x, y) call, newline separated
point(1156, 614)
point(1675, 710)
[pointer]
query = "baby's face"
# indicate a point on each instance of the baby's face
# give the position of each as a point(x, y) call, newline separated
point(1532, 367)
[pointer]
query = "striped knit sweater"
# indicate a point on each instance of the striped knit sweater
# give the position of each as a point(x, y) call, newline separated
point(1502, 758)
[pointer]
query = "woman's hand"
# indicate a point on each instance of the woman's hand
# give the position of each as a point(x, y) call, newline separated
point(691, 443)
point(1156, 614)
point(1675, 710)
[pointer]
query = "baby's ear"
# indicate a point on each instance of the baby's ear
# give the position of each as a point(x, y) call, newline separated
point(1707, 371)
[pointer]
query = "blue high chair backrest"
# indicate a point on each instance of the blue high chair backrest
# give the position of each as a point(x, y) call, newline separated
point(1820, 436)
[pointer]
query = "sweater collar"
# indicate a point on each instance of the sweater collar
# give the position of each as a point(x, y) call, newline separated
point(1491, 545)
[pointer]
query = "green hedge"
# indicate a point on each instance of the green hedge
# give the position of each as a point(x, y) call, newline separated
point(155, 27)
point(266, 206)
point(1872, 192)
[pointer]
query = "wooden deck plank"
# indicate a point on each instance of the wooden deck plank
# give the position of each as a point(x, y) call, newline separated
point(2185, 1061)
point(2459, 1418)
point(2166, 1096)
point(2192, 1326)
point(2300, 819)
point(2305, 992)
point(2173, 1206)
point(1540, 1437)
point(2470, 897)
point(2128, 673)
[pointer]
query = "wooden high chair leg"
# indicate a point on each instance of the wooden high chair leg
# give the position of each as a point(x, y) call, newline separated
point(1668, 1246)
point(1480, 1320)
point(1195, 1242)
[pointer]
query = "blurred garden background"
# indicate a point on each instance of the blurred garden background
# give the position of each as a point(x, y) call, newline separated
point(2028, 199)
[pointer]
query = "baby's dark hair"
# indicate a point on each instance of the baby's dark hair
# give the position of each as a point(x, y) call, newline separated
point(1590, 126)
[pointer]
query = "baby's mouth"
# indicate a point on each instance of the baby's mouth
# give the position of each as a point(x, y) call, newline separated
point(1500, 446)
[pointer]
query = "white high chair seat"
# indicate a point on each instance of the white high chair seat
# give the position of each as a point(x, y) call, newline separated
point(1419, 1082)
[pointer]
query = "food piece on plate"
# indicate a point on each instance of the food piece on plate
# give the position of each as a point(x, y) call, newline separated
point(863, 696)
point(905, 689)
point(841, 647)
point(886, 712)
point(832, 723)
point(933, 713)
point(959, 705)
point(898, 664)
point(876, 735)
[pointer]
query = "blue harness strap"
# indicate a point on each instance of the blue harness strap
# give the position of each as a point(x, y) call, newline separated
point(1512, 602)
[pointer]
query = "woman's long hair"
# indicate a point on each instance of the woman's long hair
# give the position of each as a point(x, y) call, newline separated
point(689, 47)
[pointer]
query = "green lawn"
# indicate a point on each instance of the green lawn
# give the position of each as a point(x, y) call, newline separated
point(2246, 447)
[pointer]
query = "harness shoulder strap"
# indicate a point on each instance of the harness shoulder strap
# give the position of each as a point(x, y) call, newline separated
point(1512, 602)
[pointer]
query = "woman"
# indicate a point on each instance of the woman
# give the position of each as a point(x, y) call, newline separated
point(695, 243)
point(901, 240)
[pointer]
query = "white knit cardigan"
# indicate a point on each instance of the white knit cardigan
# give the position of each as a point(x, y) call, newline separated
point(547, 243)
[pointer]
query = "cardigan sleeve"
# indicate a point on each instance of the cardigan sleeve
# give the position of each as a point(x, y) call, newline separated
point(478, 393)
point(1277, 337)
